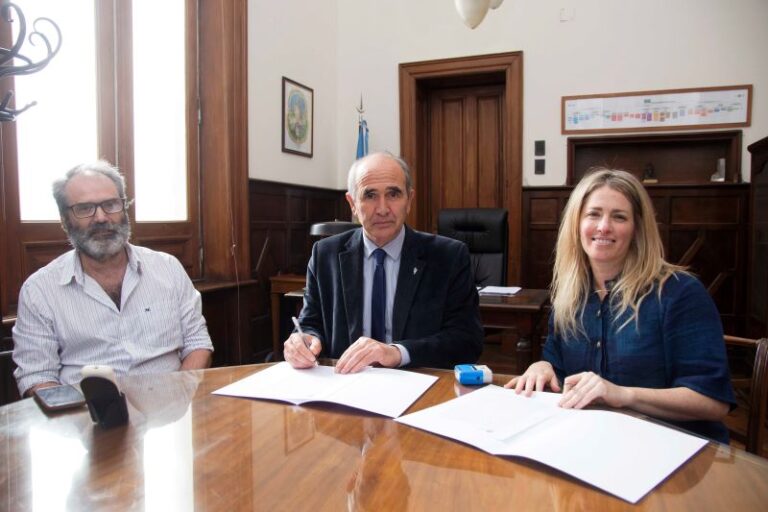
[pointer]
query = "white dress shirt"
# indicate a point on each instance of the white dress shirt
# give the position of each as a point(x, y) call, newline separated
point(66, 320)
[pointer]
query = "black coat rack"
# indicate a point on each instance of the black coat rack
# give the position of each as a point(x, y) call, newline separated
point(13, 62)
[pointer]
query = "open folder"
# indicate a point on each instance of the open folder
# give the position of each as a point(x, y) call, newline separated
point(617, 453)
point(380, 390)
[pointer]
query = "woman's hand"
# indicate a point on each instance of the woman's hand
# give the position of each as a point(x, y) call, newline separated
point(680, 404)
point(535, 378)
point(582, 389)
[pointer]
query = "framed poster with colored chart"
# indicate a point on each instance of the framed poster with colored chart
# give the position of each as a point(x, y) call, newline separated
point(298, 116)
point(672, 109)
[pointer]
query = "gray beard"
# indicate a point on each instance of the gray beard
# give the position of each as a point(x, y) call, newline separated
point(101, 248)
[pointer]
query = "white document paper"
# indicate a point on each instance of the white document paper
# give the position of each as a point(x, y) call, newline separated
point(499, 290)
point(620, 454)
point(380, 390)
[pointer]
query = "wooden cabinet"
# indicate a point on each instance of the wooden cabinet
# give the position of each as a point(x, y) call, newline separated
point(703, 225)
point(757, 308)
point(684, 158)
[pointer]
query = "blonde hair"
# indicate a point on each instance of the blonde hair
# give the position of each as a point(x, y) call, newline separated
point(644, 265)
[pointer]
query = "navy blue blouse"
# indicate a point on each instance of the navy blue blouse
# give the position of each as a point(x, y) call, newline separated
point(677, 341)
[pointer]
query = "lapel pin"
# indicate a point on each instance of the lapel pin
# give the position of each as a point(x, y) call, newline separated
point(415, 270)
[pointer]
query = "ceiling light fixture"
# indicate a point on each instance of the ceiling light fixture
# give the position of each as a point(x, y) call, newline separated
point(472, 12)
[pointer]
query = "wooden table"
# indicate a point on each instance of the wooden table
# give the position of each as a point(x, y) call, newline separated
point(186, 449)
point(519, 315)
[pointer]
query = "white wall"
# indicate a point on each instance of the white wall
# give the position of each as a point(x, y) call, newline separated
point(295, 39)
point(609, 46)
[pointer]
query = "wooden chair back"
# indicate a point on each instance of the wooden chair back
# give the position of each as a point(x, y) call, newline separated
point(757, 385)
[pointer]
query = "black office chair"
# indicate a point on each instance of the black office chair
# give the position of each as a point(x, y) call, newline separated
point(323, 229)
point(485, 232)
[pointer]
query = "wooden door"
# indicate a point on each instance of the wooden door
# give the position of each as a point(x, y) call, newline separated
point(470, 77)
point(464, 149)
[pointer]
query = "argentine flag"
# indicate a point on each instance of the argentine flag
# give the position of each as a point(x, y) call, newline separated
point(362, 138)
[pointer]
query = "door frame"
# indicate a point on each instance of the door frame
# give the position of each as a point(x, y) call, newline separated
point(414, 79)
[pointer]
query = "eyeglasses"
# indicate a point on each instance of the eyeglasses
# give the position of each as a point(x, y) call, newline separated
point(85, 210)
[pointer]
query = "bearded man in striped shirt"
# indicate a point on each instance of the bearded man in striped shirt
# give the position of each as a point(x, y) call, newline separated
point(105, 302)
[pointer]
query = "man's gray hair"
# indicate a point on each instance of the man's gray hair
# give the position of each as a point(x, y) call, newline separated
point(101, 167)
point(357, 165)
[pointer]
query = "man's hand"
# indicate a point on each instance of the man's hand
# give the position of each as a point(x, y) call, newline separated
point(366, 352)
point(301, 352)
point(31, 391)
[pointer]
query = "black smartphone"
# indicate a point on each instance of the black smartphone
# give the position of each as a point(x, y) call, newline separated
point(57, 398)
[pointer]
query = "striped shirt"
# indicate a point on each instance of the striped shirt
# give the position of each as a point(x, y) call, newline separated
point(65, 320)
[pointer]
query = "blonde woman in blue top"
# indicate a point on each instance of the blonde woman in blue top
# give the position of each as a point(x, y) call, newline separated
point(628, 329)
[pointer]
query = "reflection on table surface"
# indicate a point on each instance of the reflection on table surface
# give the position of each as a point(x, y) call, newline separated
point(186, 449)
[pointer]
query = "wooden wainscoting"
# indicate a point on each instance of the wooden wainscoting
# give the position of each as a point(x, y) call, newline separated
point(542, 208)
point(704, 227)
point(280, 217)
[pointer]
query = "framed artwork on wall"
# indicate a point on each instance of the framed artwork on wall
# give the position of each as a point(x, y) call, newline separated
point(298, 116)
point(672, 109)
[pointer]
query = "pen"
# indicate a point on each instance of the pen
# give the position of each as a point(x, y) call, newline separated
point(301, 333)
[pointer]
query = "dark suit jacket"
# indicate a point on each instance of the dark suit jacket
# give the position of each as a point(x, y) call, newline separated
point(435, 314)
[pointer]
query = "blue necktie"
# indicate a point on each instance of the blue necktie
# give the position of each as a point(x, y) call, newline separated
point(378, 297)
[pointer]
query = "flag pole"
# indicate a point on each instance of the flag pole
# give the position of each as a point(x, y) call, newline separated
point(360, 109)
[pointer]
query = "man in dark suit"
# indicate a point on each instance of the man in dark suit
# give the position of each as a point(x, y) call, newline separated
point(385, 294)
